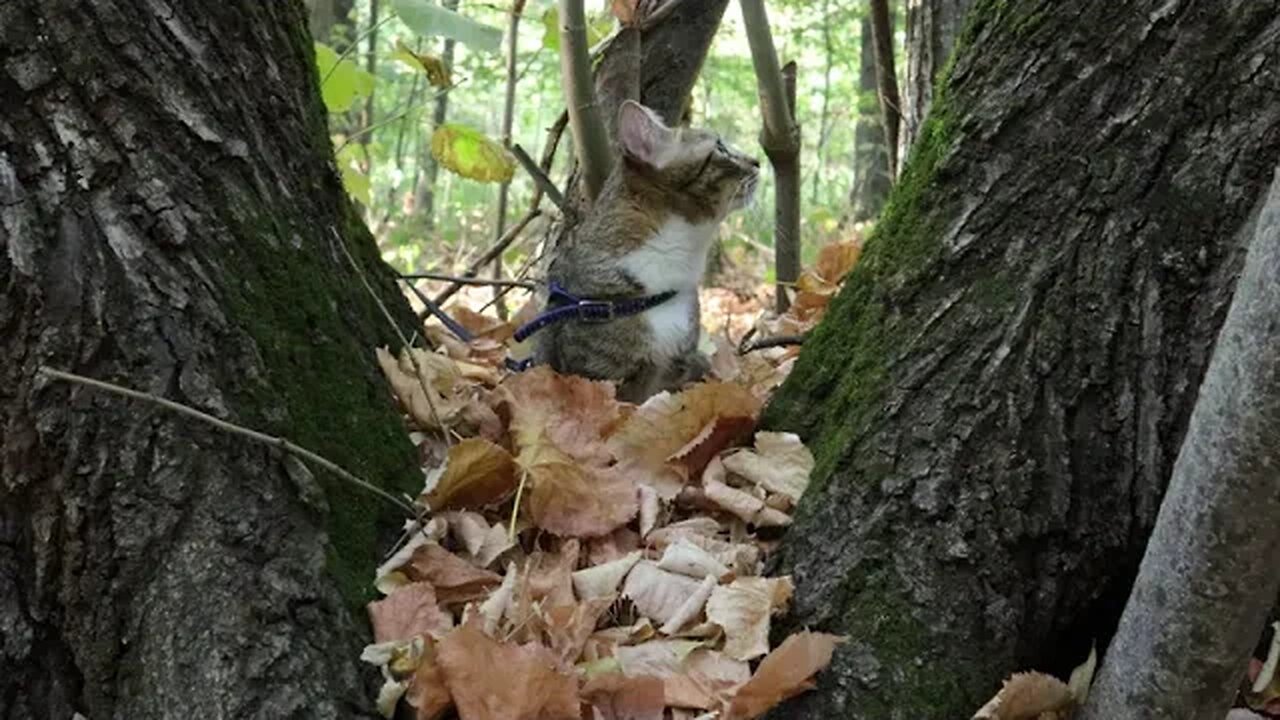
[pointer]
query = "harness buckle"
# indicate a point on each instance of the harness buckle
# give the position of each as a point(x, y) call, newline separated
point(587, 307)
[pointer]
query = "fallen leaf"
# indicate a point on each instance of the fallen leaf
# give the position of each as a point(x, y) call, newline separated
point(657, 594)
point(718, 434)
point(490, 680)
point(427, 693)
point(455, 580)
point(437, 398)
point(570, 413)
point(665, 423)
point(743, 609)
point(618, 697)
point(784, 673)
point(409, 611)
point(476, 474)
point(569, 499)
point(603, 580)
point(691, 608)
point(686, 558)
point(780, 463)
point(1029, 696)
point(569, 626)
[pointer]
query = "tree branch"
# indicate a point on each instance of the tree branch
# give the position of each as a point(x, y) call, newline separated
point(299, 452)
point(886, 79)
point(488, 256)
point(540, 178)
point(591, 141)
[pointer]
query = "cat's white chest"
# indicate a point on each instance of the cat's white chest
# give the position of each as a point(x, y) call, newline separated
point(673, 259)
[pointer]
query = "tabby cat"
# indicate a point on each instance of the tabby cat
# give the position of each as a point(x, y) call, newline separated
point(648, 233)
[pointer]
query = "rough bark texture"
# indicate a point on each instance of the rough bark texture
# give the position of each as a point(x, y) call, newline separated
point(932, 29)
point(872, 180)
point(166, 199)
point(996, 398)
point(1210, 575)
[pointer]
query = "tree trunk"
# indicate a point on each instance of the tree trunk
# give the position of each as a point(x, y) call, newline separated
point(932, 29)
point(886, 76)
point(872, 180)
point(425, 200)
point(1217, 526)
point(996, 398)
point(167, 195)
point(325, 15)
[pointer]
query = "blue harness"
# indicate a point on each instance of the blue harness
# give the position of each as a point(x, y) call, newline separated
point(563, 305)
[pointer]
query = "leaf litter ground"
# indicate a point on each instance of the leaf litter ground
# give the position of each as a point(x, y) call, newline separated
point(584, 558)
point(581, 558)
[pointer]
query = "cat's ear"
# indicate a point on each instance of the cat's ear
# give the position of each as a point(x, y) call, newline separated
point(643, 136)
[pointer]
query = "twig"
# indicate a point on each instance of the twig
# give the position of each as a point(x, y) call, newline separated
point(445, 319)
point(299, 452)
point(498, 248)
point(769, 342)
point(466, 280)
point(365, 131)
point(354, 44)
point(539, 177)
point(404, 341)
point(590, 139)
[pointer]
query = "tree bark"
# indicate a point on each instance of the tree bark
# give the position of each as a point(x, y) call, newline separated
point(886, 77)
point(932, 29)
point(872, 180)
point(166, 197)
point(1210, 574)
point(996, 397)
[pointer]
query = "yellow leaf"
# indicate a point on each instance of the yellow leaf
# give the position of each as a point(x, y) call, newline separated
point(476, 473)
point(437, 72)
point(469, 153)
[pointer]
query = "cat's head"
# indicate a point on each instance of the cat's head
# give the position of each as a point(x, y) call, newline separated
point(698, 172)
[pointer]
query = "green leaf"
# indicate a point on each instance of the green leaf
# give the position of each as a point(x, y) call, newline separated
point(427, 18)
point(358, 186)
point(342, 83)
point(551, 29)
point(469, 153)
point(599, 25)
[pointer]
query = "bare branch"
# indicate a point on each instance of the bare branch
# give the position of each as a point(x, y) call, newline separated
point(299, 452)
point(540, 178)
point(498, 248)
point(591, 141)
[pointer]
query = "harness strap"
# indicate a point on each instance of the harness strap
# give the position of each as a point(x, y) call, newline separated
point(572, 307)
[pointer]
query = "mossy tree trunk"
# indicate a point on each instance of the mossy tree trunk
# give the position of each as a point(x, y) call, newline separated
point(996, 398)
point(167, 206)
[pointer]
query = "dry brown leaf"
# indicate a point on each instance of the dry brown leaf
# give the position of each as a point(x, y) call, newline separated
point(481, 325)
point(490, 680)
point(686, 558)
point(718, 434)
point(785, 672)
point(657, 594)
point(603, 580)
point(618, 697)
point(571, 413)
point(690, 609)
point(409, 611)
point(615, 545)
point(1029, 696)
point(780, 463)
point(549, 575)
point(476, 474)
point(427, 693)
point(448, 394)
point(569, 626)
point(455, 580)
point(743, 609)
point(569, 499)
point(741, 504)
point(665, 423)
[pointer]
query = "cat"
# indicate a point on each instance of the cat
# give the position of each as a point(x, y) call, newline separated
point(647, 234)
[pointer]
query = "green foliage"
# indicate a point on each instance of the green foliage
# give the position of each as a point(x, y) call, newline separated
point(599, 25)
point(341, 82)
point(427, 18)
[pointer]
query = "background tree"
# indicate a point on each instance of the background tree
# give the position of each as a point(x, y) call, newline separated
point(932, 29)
point(167, 223)
point(996, 398)
point(872, 180)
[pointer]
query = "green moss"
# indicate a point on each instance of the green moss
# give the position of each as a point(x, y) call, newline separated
point(292, 304)
point(880, 615)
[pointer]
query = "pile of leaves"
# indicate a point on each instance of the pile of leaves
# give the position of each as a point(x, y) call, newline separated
point(581, 557)
point(605, 556)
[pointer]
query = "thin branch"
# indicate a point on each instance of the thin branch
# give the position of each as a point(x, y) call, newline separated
point(393, 118)
point(886, 79)
point(354, 44)
point(779, 125)
point(770, 342)
point(404, 341)
point(590, 139)
point(467, 280)
point(453, 326)
point(540, 178)
point(299, 452)
point(498, 248)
